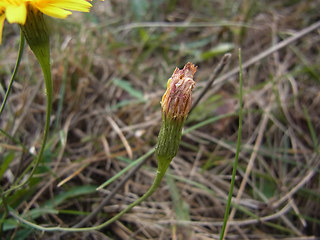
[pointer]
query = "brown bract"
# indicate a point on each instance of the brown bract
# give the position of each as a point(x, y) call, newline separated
point(177, 100)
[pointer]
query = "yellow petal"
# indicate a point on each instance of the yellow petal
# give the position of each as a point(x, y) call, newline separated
point(74, 5)
point(55, 12)
point(16, 14)
point(2, 17)
point(59, 8)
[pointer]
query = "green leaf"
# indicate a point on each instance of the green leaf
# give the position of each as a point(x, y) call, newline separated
point(217, 50)
point(37, 212)
point(268, 188)
point(23, 234)
point(72, 192)
point(7, 159)
point(125, 85)
point(10, 224)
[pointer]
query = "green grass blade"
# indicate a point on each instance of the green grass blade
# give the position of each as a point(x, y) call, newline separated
point(120, 173)
point(125, 85)
point(312, 131)
point(208, 121)
point(235, 164)
point(5, 162)
point(21, 47)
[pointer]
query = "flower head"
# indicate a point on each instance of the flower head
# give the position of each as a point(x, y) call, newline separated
point(16, 11)
point(176, 104)
point(177, 100)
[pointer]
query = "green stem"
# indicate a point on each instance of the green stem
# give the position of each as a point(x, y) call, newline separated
point(152, 189)
point(21, 47)
point(235, 164)
point(39, 44)
point(48, 85)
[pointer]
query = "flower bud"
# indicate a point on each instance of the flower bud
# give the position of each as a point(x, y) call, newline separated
point(177, 100)
point(36, 33)
point(176, 104)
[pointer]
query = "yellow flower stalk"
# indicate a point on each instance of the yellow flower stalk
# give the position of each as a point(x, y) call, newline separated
point(17, 11)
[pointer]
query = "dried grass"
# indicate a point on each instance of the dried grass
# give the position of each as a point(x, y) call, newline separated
point(98, 126)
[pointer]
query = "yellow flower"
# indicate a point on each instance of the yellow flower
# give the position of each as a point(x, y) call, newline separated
point(16, 11)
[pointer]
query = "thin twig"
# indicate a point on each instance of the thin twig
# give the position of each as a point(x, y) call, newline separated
point(240, 223)
point(120, 134)
point(185, 24)
point(219, 68)
point(268, 51)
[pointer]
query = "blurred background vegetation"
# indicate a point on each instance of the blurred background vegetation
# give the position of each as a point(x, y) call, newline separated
point(110, 69)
